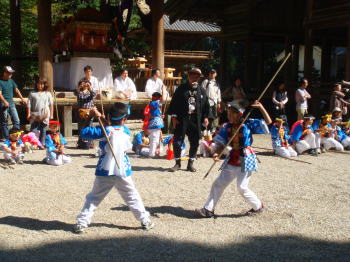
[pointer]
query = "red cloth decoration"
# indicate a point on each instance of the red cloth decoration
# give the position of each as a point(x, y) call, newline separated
point(53, 122)
point(170, 150)
point(147, 114)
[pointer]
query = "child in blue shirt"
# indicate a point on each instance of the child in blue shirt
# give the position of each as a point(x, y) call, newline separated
point(110, 174)
point(13, 147)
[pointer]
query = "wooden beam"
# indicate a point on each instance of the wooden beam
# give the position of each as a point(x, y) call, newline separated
point(326, 60)
point(44, 41)
point(348, 55)
point(16, 40)
point(158, 35)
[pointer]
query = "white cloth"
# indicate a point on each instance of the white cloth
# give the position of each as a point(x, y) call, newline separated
point(212, 90)
point(346, 142)
point(121, 141)
point(68, 74)
point(285, 151)
point(154, 86)
point(102, 186)
point(9, 156)
point(311, 141)
point(154, 140)
point(60, 160)
point(329, 142)
point(125, 85)
point(227, 175)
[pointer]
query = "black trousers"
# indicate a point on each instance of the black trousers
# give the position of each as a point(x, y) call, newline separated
point(190, 126)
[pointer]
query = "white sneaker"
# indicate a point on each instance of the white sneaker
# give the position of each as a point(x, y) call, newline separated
point(147, 225)
point(78, 229)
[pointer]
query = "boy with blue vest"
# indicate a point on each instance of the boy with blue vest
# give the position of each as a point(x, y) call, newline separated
point(240, 161)
point(110, 174)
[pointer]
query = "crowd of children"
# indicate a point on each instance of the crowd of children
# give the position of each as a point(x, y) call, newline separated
point(113, 168)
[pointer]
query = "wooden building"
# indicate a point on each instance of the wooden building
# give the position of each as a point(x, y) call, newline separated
point(325, 23)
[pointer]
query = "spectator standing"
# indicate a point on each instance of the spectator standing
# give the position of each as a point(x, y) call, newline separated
point(155, 84)
point(213, 92)
point(124, 86)
point(337, 100)
point(40, 109)
point(301, 97)
point(7, 105)
point(280, 99)
point(189, 108)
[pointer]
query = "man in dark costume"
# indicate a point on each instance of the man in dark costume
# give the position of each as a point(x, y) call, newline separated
point(189, 109)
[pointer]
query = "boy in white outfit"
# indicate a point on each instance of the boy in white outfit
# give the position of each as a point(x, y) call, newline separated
point(280, 139)
point(110, 174)
point(240, 162)
point(324, 130)
point(303, 138)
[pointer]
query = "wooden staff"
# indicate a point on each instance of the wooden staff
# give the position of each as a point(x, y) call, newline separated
point(165, 104)
point(101, 100)
point(56, 107)
point(108, 141)
point(339, 152)
point(250, 111)
point(288, 158)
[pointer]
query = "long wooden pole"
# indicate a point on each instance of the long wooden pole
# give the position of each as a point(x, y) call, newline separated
point(56, 107)
point(248, 114)
point(108, 142)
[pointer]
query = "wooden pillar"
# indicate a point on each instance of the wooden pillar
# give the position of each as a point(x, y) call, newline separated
point(223, 75)
point(288, 68)
point(295, 63)
point(16, 40)
point(325, 61)
point(247, 84)
point(158, 35)
point(44, 41)
point(260, 66)
point(348, 55)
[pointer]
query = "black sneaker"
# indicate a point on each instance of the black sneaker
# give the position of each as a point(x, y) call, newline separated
point(190, 166)
point(256, 212)
point(313, 152)
point(204, 213)
point(78, 229)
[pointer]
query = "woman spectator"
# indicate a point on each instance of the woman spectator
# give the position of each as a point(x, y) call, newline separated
point(280, 99)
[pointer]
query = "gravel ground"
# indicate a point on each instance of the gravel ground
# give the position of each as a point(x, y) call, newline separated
point(307, 216)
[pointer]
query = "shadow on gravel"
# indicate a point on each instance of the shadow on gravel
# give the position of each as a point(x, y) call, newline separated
point(38, 225)
point(148, 248)
point(149, 168)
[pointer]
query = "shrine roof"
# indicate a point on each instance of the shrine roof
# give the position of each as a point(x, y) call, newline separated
point(190, 26)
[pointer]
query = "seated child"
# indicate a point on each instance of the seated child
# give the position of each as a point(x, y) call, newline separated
point(13, 147)
point(140, 143)
point(339, 135)
point(170, 150)
point(31, 142)
point(54, 144)
point(207, 146)
point(110, 174)
point(280, 139)
point(323, 129)
point(303, 138)
point(154, 123)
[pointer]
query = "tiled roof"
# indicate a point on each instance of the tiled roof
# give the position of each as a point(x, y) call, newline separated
point(190, 26)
